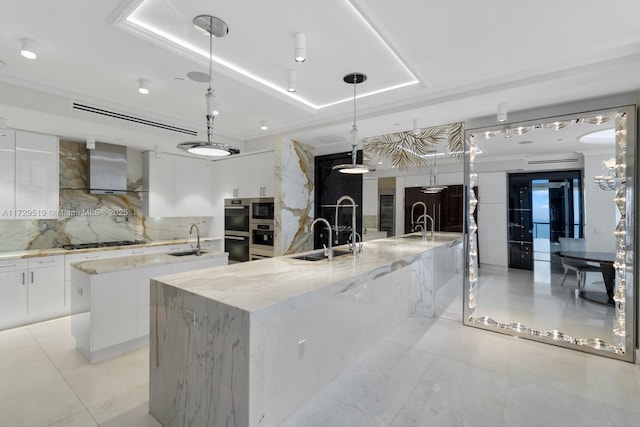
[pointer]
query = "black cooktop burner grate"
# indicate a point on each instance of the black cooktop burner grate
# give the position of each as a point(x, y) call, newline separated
point(103, 244)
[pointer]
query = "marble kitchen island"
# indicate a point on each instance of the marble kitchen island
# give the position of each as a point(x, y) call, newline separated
point(247, 344)
point(113, 297)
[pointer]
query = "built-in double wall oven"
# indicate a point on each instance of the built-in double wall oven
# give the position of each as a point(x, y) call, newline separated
point(261, 228)
point(248, 228)
point(236, 229)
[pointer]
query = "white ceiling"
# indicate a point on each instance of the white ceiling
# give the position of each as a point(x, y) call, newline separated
point(466, 56)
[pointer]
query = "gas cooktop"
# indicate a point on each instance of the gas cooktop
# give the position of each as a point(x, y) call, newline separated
point(104, 244)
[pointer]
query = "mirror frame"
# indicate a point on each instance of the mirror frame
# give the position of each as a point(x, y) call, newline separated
point(625, 265)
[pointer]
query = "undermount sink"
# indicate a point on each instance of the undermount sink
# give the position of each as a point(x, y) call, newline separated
point(319, 255)
point(192, 252)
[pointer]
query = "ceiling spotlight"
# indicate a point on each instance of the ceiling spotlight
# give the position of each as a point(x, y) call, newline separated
point(416, 129)
point(91, 143)
point(143, 86)
point(28, 49)
point(502, 112)
point(300, 51)
point(264, 125)
point(353, 167)
point(291, 84)
point(211, 26)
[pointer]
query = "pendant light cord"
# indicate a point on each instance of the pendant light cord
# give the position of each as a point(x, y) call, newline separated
point(354, 143)
point(210, 49)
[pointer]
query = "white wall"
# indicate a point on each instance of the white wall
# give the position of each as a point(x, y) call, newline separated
point(370, 196)
point(600, 213)
point(492, 218)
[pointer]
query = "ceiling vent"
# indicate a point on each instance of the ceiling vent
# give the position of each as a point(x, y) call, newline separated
point(562, 161)
point(114, 114)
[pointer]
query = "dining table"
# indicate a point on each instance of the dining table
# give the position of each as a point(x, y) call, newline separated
point(606, 260)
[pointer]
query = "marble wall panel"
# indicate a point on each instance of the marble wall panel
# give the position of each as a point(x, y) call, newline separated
point(78, 227)
point(294, 197)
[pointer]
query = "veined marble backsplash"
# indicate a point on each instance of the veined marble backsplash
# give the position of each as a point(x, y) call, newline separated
point(76, 227)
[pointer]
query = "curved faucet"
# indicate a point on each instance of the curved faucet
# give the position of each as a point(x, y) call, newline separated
point(424, 228)
point(197, 248)
point(353, 216)
point(424, 212)
point(328, 252)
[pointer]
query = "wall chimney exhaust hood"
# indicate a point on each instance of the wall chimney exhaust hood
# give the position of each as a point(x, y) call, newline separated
point(108, 169)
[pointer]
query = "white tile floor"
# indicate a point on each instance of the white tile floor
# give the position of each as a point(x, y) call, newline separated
point(428, 372)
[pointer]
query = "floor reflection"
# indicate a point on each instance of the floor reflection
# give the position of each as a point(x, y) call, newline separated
point(537, 300)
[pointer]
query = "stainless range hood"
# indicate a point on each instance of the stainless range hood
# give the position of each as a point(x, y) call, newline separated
point(108, 169)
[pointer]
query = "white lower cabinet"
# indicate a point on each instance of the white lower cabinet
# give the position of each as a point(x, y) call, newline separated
point(45, 288)
point(31, 290)
point(119, 304)
point(13, 292)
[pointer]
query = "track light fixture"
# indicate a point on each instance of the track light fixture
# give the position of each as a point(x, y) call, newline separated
point(28, 49)
point(292, 81)
point(143, 86)
point(502, 112)
point(300, 50)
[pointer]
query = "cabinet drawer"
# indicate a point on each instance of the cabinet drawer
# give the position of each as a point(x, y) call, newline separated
point(47, 261)
point(13, 264)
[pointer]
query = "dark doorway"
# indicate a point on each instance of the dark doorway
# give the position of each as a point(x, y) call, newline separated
point(543, 206)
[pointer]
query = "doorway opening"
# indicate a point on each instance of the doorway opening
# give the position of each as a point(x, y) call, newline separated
point(543, 207)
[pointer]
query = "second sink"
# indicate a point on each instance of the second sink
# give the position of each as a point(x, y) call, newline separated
point(319, 255)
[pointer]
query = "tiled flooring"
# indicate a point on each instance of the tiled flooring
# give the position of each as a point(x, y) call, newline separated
point(428, 372)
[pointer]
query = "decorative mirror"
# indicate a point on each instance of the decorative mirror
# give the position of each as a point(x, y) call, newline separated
point(550, 230)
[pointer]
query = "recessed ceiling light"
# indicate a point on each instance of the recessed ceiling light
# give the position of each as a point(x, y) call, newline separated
point(604, 136)
point(28, 49)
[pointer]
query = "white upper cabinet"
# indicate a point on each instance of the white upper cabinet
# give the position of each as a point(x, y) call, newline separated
point(7, 172)
point(176, 186)
point(29, 181)
point(252, 175)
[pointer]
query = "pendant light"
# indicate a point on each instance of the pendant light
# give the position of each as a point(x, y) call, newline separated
point(353, 168)
point(211, 26)
point(433, 187)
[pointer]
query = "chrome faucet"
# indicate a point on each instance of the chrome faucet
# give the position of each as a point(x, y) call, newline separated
point(327, 252)
point(198, 249)
point(423, 225)
point(353, 221)
point(424, 212)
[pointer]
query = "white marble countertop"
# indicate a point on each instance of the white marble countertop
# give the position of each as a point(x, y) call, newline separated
point(258, 284)
point(111, 265)
point(34, 253)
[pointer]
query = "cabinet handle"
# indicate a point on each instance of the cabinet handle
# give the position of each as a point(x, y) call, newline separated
point(137, 252)
point(7, 266)
point(23, 277)
point(92, 257)
point(32, 277)
point(47, 262)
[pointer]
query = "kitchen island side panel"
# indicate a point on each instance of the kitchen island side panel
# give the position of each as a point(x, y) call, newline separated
point(199, 360)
